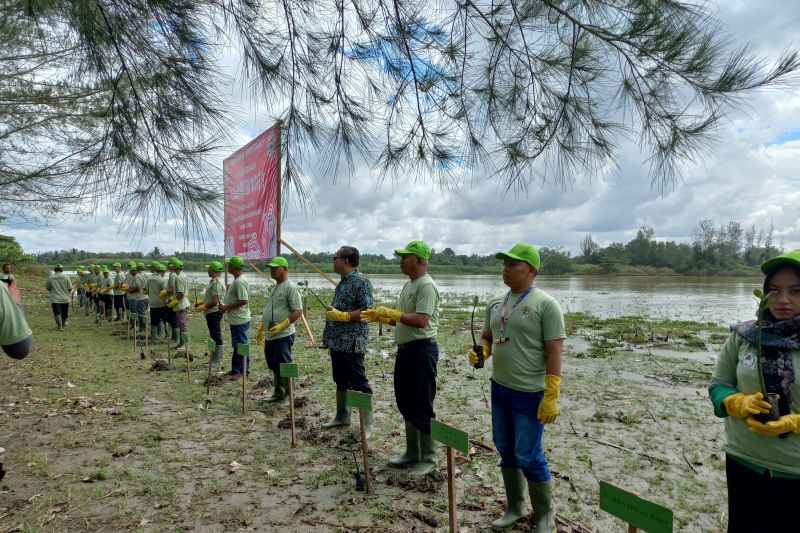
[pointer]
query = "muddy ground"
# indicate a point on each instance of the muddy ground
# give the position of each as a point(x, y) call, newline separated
point(96, 440)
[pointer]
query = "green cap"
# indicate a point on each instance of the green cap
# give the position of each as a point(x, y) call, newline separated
point(81, 267)
point(96, 267)
point(417, 248)
point(522, 251)
point(236, 261)
point(216, 266)
point(177, 263)
point(792, 257)
point(278, 261)
point(172, 260)
point(161, 267)
point(140, 264)
point(117, 264)
point(59, 265)
point(104, 269)
point(132, 265)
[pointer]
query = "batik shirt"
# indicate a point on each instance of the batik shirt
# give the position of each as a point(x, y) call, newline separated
point(353, 292)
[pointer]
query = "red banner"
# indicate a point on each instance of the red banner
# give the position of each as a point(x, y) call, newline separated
point(252, 181)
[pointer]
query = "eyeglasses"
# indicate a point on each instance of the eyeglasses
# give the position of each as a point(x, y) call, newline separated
point(335, 257)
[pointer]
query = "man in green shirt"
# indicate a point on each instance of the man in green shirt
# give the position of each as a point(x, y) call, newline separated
point(212, 297)
point(155, 284)
point(416, 329)
point(524, 334)
point(167, 293)
point(59, 286)
point(284, 306)
point(117, 292)
point(15, 335)
point(237, 306)
point(179, 302)
point(106, 285)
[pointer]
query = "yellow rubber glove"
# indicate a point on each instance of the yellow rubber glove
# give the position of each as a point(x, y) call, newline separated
point(125, 287)
point(548, 407)
point(163, 294)
point(386, 312)
point(260, 334)
point(745, 405)
point(785, 424)
point(200, 308)
point(473, 356)
point(172, 303)
point(198, 301)
point(368, 315)
point(280, 326)
point(334, 315)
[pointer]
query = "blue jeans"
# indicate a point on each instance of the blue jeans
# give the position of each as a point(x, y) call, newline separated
point(517, 432)
point(239, 336)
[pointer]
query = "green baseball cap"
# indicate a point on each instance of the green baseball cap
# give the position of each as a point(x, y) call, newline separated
point(216, 266)
point(236, 261)
point(96, 267)
point(177, 263)
point(792, 257)
point(104, 269)
point(278, 261)
point(59, 265)
point(81, 267)
point(161, 267)
point(172, 260)
point(132, 265)
point(117, 264)
point(140, 264)
point(522, 251)
point(417, 248)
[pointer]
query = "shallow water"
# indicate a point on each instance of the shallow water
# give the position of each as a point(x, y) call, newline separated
point(722, 300)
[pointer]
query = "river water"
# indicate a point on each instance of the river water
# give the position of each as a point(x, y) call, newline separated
point(722, 300)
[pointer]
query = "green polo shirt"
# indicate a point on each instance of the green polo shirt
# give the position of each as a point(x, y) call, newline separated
point(420, 295)
point(104, 282)
point(156, 284)
point(283, 299)
point(519, 363)
point(136, 281)
point(13, 326)
point(181, 286)
point(238, 290)
point(119, 279)
point(215, 289)
point(59, 285)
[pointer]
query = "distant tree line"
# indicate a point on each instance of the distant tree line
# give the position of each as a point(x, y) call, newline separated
point(726, 249)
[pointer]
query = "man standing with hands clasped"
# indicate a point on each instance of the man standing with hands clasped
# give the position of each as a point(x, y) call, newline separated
point(284, 306)
point(524, 331)
point(237, 305)
point(417, 323)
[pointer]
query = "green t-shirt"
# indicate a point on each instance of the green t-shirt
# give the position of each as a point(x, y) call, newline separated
point(215, 289)
point(59, 286)
point(283, 299)
point(519, 362)
point(119, 279)
point(238, 290)
point(420, 295)
point(156, 284)
point(13, 326)
point(104, 282)
point(171, 277)
point(736, 367)
point(181, 286)
point(137, 281)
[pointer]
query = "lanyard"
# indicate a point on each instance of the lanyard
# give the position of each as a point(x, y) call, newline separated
point(505, 318)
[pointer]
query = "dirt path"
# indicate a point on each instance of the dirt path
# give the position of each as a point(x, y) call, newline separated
point(96, 441)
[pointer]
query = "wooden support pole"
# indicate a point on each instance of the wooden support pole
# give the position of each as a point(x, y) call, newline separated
point(364, 449)
point(186, 354)
point(291, 411)
point(451, 489)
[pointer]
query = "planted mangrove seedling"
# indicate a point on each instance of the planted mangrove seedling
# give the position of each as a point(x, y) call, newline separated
point(478, 349)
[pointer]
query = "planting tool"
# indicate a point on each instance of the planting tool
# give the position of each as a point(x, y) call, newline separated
point(185, 339)
point(211, 347)
point(478, 349)
point(314, 294)
point(244, 351)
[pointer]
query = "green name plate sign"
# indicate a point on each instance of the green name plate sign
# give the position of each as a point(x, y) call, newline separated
point(634, 510)
point(129, 314)
point(450, 436)
point(184, 336)
point(243, 349)
point(211, 344)
point(359, 400)
point(145, 319)
point(289, 370)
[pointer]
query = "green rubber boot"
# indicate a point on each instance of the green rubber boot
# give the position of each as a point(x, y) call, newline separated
point(59, 323)
point(427, 455)
point(153, 332)
point(175, 334)
point(514, 483)
point(219, 351)
point(342, 417)
point(279, 394)
point(411, 455)
point(541, 499)
point(285, 387)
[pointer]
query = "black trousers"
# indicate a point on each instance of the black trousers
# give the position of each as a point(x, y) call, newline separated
point(157, 315)
point(61, 309)
point(213, 321)
point(746, 487)
point(278, 351)
point(415, 381)
point(106, 299)
point(119, 301)
point(348, 371)
point(170, 317)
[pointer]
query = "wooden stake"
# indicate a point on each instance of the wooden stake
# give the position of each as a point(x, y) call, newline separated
point(244, 384)
point(291, 411)
point(451, 490)
point(307, 262)
point(186, 353)
point(308, 330)
point(364, 449)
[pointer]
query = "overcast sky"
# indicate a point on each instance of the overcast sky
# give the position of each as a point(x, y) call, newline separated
point(752, 174)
